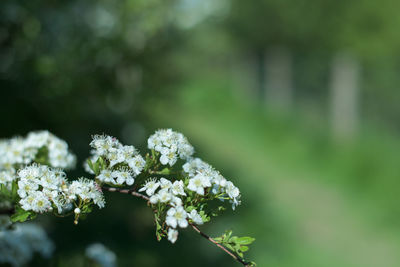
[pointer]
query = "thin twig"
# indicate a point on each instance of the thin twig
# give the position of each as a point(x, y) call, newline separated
point(219, 245)
point(139, 195)
point(126, 191)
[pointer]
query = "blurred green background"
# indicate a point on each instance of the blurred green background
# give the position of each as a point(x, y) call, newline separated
point(297, 102)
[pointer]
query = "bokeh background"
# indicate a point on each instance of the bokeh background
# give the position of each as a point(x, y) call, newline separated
point(297, 102)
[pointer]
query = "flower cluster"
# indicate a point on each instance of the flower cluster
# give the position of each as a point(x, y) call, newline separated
point(171, 195)
point(7, 177)
point(86, 190)
point(203, 178)
point(171, 145)
point(33, 180)
point(41, 189)
point(121, 164)
point(181, 199)
point(18, 245)
point(41, 147)
point(101, 255)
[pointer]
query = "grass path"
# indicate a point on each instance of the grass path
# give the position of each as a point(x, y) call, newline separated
point(325, 224)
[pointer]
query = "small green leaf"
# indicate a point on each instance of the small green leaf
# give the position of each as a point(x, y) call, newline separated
point(244, 248)
point(90, 164)
point(4, 192)
point(22, 215)
point(164, 171)
point(229, 246)
point(14, 189)
point(246, 240)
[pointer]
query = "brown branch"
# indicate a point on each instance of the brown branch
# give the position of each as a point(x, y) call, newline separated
point(220, 246)
point(126, 191)
point(139, 195)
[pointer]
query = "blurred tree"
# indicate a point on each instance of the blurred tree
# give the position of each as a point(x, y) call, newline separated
point(82, 64)
point(314, 31)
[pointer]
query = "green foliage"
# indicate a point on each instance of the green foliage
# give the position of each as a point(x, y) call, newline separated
point(239, 245)
point(21, 215)
point(9, 194)
point(97, 166)
point(42, 156)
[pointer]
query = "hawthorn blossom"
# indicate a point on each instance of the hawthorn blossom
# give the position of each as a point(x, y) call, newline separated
point(195, 216)
point(87, 190)
point(172, 235)
point(39, 187)
point(150, 187)
point(20, 243)
point(177, 188)
point(101, 255)
point(171, 145)
point(122, 163)
point(198, 183)
point(176, 216)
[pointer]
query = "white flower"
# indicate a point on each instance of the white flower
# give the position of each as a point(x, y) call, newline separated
point(168, 158)
point(164, 195)
point(6, 177)
point(150, 187)
point(40, 187)
point(127, 152)
point(77, 210)
point(154, 199)
point(22, 242)
point(177, 188)
point(103, 143)
point(25, 187)
point(165, 183)
point(172, 235)
point(136, 163)
point(195, 216)
point(117, 156)
point(171, 145)
point(176, 216)
point(106, 176)
point(198, 183)
point(232, 191)
point(87, 190)
point(176, 201)
point(41, 203)
point(101, 255)
point(194, 165)
point(123, 176)
point(114, 156)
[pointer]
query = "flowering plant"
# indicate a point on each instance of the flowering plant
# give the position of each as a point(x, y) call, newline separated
point(181, 190)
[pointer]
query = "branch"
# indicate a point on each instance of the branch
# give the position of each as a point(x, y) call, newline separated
point(139, 195)
point(219, 245)
point(126, 191)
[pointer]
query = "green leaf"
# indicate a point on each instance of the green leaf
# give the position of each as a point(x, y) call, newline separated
point(218, 239)
point(90, 164)
point(244, 248)
point(102, 163)
point(14, 189)
point(22, 215)
point(4, 192)
point(164, 171)
point(229, 246)
point(246, 240)
point(189, 209)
